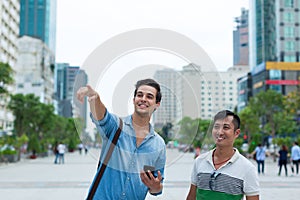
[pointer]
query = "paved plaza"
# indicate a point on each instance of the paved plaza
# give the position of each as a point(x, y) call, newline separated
point(40, 179)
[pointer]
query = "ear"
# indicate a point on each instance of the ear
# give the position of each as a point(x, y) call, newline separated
point(157, 104)
point(237, 133)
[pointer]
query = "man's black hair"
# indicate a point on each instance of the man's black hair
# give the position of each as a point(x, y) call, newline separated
point(224, 113)
point(149, 82)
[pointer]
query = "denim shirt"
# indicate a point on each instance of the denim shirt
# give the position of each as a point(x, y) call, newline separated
point(121, 179)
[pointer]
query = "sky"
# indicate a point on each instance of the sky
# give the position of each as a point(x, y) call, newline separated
point(83, 25)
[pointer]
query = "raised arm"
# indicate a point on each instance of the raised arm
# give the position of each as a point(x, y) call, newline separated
point(96, 105)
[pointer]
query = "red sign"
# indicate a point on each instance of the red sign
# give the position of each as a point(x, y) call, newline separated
point(282, 82)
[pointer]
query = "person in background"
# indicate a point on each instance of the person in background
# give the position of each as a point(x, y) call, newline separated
point(55, 151)
point(223, 173)
point(61, 148)
point(80, 147)
point(295, 157)
point(260, 153)
point(283, 157)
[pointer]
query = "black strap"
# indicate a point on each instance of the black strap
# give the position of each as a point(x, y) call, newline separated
point(104, 164)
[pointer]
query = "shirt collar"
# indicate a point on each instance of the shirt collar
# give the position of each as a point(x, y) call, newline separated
point(128, 121)
point(232, 159)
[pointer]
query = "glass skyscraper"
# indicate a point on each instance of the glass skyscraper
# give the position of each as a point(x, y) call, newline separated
point(38, 19)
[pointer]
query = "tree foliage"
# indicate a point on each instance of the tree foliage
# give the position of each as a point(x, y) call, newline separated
point(38, 121)
point(193, 131)
point(6, 77)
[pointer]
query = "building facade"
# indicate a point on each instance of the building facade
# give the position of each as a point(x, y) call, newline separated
point(68, 80)
point(241, 39)
point(9, 31)
point(196, 93)
point(35, 69)
point(275, 45)
point(38, 19)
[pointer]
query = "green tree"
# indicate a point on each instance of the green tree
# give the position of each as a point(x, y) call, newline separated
point(193, 131)
point(267, 105)
point(188, 130)
point(6, 77)
point(249, 123)
point(23, 107)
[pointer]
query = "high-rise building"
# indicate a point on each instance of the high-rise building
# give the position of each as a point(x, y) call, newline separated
point(65, 89)
point(241, 39)
point(38, 19)
point(9, 31)
point(195, 93)
point(170, 110)
point(275, 45)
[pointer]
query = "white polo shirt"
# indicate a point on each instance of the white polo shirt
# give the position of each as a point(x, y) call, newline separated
point(236, 178)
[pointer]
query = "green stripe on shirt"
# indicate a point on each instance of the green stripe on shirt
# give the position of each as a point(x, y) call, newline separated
point(214, 195)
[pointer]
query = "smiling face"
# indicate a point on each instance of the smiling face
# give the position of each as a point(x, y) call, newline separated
point(224, 132)
point(145, 101)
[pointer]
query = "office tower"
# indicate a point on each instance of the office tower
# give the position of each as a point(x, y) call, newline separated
point(68, 80)
point(241, 40)
point(275, 45)
point(9, 31)
point(195, 93)
point(170, 110)
point(38, 19)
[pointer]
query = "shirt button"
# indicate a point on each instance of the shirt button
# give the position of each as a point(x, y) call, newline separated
point(123, 193)
point(128, 178)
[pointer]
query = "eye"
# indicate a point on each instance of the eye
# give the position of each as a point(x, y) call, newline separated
point(139, 95)
point(150, 96)
point(216, 126)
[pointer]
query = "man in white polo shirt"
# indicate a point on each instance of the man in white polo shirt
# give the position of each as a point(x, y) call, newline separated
point(223, 173)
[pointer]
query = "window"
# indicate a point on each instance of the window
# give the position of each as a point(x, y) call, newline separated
point(290, 58)
point(289, 31)
point(289, 46)
point(288, 17)
point(20, 85)
point(289, 3)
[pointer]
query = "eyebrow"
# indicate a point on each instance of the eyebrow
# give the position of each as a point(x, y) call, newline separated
point(148, 93)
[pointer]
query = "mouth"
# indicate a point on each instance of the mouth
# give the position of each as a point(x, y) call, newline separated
point(142, 105)
point(219, 138)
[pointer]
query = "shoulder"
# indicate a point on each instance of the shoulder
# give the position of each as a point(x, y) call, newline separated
point(159, 140)
point(203, 157)
point(245, 163)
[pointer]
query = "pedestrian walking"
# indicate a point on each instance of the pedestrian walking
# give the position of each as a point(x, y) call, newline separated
point(283, 158)
point(55, 151)
point(138, 145)
point(295, 157)
point(260, 153)
point(80, 147)
point(61, 148)
point(223, 173)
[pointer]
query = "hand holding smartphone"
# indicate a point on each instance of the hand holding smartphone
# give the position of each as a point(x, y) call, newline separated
point(149, 168)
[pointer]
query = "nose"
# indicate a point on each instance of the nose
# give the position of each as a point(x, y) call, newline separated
point(144, 97)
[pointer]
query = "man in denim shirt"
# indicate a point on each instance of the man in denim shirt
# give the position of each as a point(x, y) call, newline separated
point(138, 145)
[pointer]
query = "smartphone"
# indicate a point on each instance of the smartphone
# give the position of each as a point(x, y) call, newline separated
point(150, 168)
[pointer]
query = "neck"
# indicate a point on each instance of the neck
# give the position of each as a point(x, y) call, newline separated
point(224, 151)
point(140, 121)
